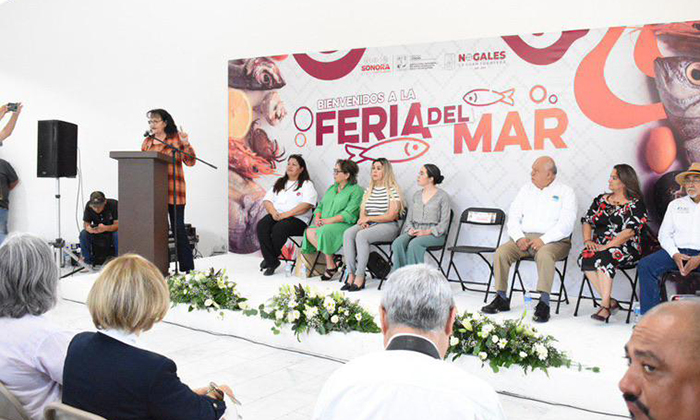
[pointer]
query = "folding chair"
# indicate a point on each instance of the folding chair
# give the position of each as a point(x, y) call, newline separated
point(633, 296)
point(442, 247)
point(58, 411)
point(10, 408)
point(477, 216)
point(562, 295)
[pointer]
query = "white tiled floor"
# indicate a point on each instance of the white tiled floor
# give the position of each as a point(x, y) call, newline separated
point(271, 383)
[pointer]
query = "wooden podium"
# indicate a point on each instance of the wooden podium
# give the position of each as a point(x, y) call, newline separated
point(143, 205)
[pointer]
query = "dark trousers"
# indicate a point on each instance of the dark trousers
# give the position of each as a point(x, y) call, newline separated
point(273, 234)
point(651, 269)
point(184, 252)
point(86, 240)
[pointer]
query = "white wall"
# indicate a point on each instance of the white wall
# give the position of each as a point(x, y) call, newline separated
point(103, 64)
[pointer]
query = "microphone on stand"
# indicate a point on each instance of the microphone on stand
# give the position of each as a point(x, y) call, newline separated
point(147, 133)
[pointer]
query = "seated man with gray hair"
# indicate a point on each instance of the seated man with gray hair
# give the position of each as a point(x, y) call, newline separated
point(409, 379)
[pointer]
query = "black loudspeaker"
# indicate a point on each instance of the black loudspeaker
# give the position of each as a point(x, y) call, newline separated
point(57, 149)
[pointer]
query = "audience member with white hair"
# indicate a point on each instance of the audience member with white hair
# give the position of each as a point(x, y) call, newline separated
point(110, 374)
point(32, 349)
point(409, 380)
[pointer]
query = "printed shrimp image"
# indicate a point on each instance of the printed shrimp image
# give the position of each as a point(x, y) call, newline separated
point(487, 97)
point(397, 150)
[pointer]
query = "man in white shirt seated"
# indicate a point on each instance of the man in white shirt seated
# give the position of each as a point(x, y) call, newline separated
point(409, 380)
point(540, 222)
point(679, 236)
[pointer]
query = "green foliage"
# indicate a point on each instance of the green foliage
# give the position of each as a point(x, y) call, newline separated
point(306, 309)
point(513, 342)
point(211, 290)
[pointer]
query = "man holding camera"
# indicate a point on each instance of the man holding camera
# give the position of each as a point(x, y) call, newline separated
point(15, 109)
point(101, 222)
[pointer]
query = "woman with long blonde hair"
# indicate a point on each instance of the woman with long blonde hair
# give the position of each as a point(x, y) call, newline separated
point(380, 210)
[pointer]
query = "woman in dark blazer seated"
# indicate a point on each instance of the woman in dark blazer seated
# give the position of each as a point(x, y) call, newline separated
point(107, 373)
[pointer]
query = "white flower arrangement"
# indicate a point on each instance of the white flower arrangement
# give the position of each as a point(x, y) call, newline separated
point(512, 342)
point(306, 308)
point(211, 290)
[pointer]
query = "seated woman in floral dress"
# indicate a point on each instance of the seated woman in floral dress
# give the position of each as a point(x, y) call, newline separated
point(611, 234)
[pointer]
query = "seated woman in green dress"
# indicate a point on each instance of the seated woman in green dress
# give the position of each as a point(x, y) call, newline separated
point(337, 212)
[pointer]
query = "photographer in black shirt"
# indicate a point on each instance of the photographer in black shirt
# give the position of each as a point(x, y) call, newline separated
point(101, 222)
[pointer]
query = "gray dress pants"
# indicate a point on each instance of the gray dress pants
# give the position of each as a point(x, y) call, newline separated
point(356, 244)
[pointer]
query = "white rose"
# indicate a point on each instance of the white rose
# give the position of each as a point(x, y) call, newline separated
point(296, 314)
point(494, 338)
point(334, 319)
point(329, 304)
point(522, 355)
point(358, 317)
point(290, 317)
point(454, 341)
point(483, 355)
point(279, 315)
point(208, 302)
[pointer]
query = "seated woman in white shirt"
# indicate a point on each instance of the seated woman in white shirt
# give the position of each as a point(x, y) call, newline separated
point(110, 374)
point(379, 213)
point(288, 204)
point(32, 349)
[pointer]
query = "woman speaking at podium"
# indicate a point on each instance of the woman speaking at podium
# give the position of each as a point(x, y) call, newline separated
point(163, 128)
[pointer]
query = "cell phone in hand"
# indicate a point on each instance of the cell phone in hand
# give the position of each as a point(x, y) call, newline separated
point(12, 107)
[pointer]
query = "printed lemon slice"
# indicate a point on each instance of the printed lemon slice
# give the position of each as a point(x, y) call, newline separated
point(240, 114)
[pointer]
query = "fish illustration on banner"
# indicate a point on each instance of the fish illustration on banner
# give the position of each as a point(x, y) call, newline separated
point(486, 97)
point(398, 150)
point(678, 82)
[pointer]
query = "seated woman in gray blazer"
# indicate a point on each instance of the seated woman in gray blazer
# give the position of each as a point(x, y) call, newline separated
point(427, 220)
point(108, 373)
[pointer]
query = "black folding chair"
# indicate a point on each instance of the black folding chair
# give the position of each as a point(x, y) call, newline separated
point(633, 296)
point(562, 295)
point(477, 216)
point(441, 248)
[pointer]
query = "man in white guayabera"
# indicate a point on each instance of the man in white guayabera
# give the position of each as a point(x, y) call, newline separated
point(540, 222)
point(409, 380)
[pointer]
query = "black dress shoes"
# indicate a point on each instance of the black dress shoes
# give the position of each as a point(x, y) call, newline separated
point(271, 270)
point(497, 305)
point(541, 312)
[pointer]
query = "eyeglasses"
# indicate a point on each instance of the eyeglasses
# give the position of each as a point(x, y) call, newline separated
point(151, 122)
point(691, 181)
point(336, 172)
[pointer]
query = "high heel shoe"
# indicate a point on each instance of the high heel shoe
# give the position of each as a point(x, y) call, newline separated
point(354, 288)
point(346, 286)
point(598, 317)
point(614, 306)
point(329, 273)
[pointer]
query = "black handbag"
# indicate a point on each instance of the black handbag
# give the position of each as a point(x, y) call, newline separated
point(378, 266)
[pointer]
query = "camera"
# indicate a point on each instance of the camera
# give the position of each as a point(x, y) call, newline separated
point(12, 107)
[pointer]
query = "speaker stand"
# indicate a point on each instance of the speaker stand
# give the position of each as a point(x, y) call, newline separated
point(59, 245)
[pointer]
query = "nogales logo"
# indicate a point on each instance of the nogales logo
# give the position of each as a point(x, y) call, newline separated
point(482, 56)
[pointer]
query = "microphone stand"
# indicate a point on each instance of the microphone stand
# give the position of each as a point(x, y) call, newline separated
point(174, 153)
